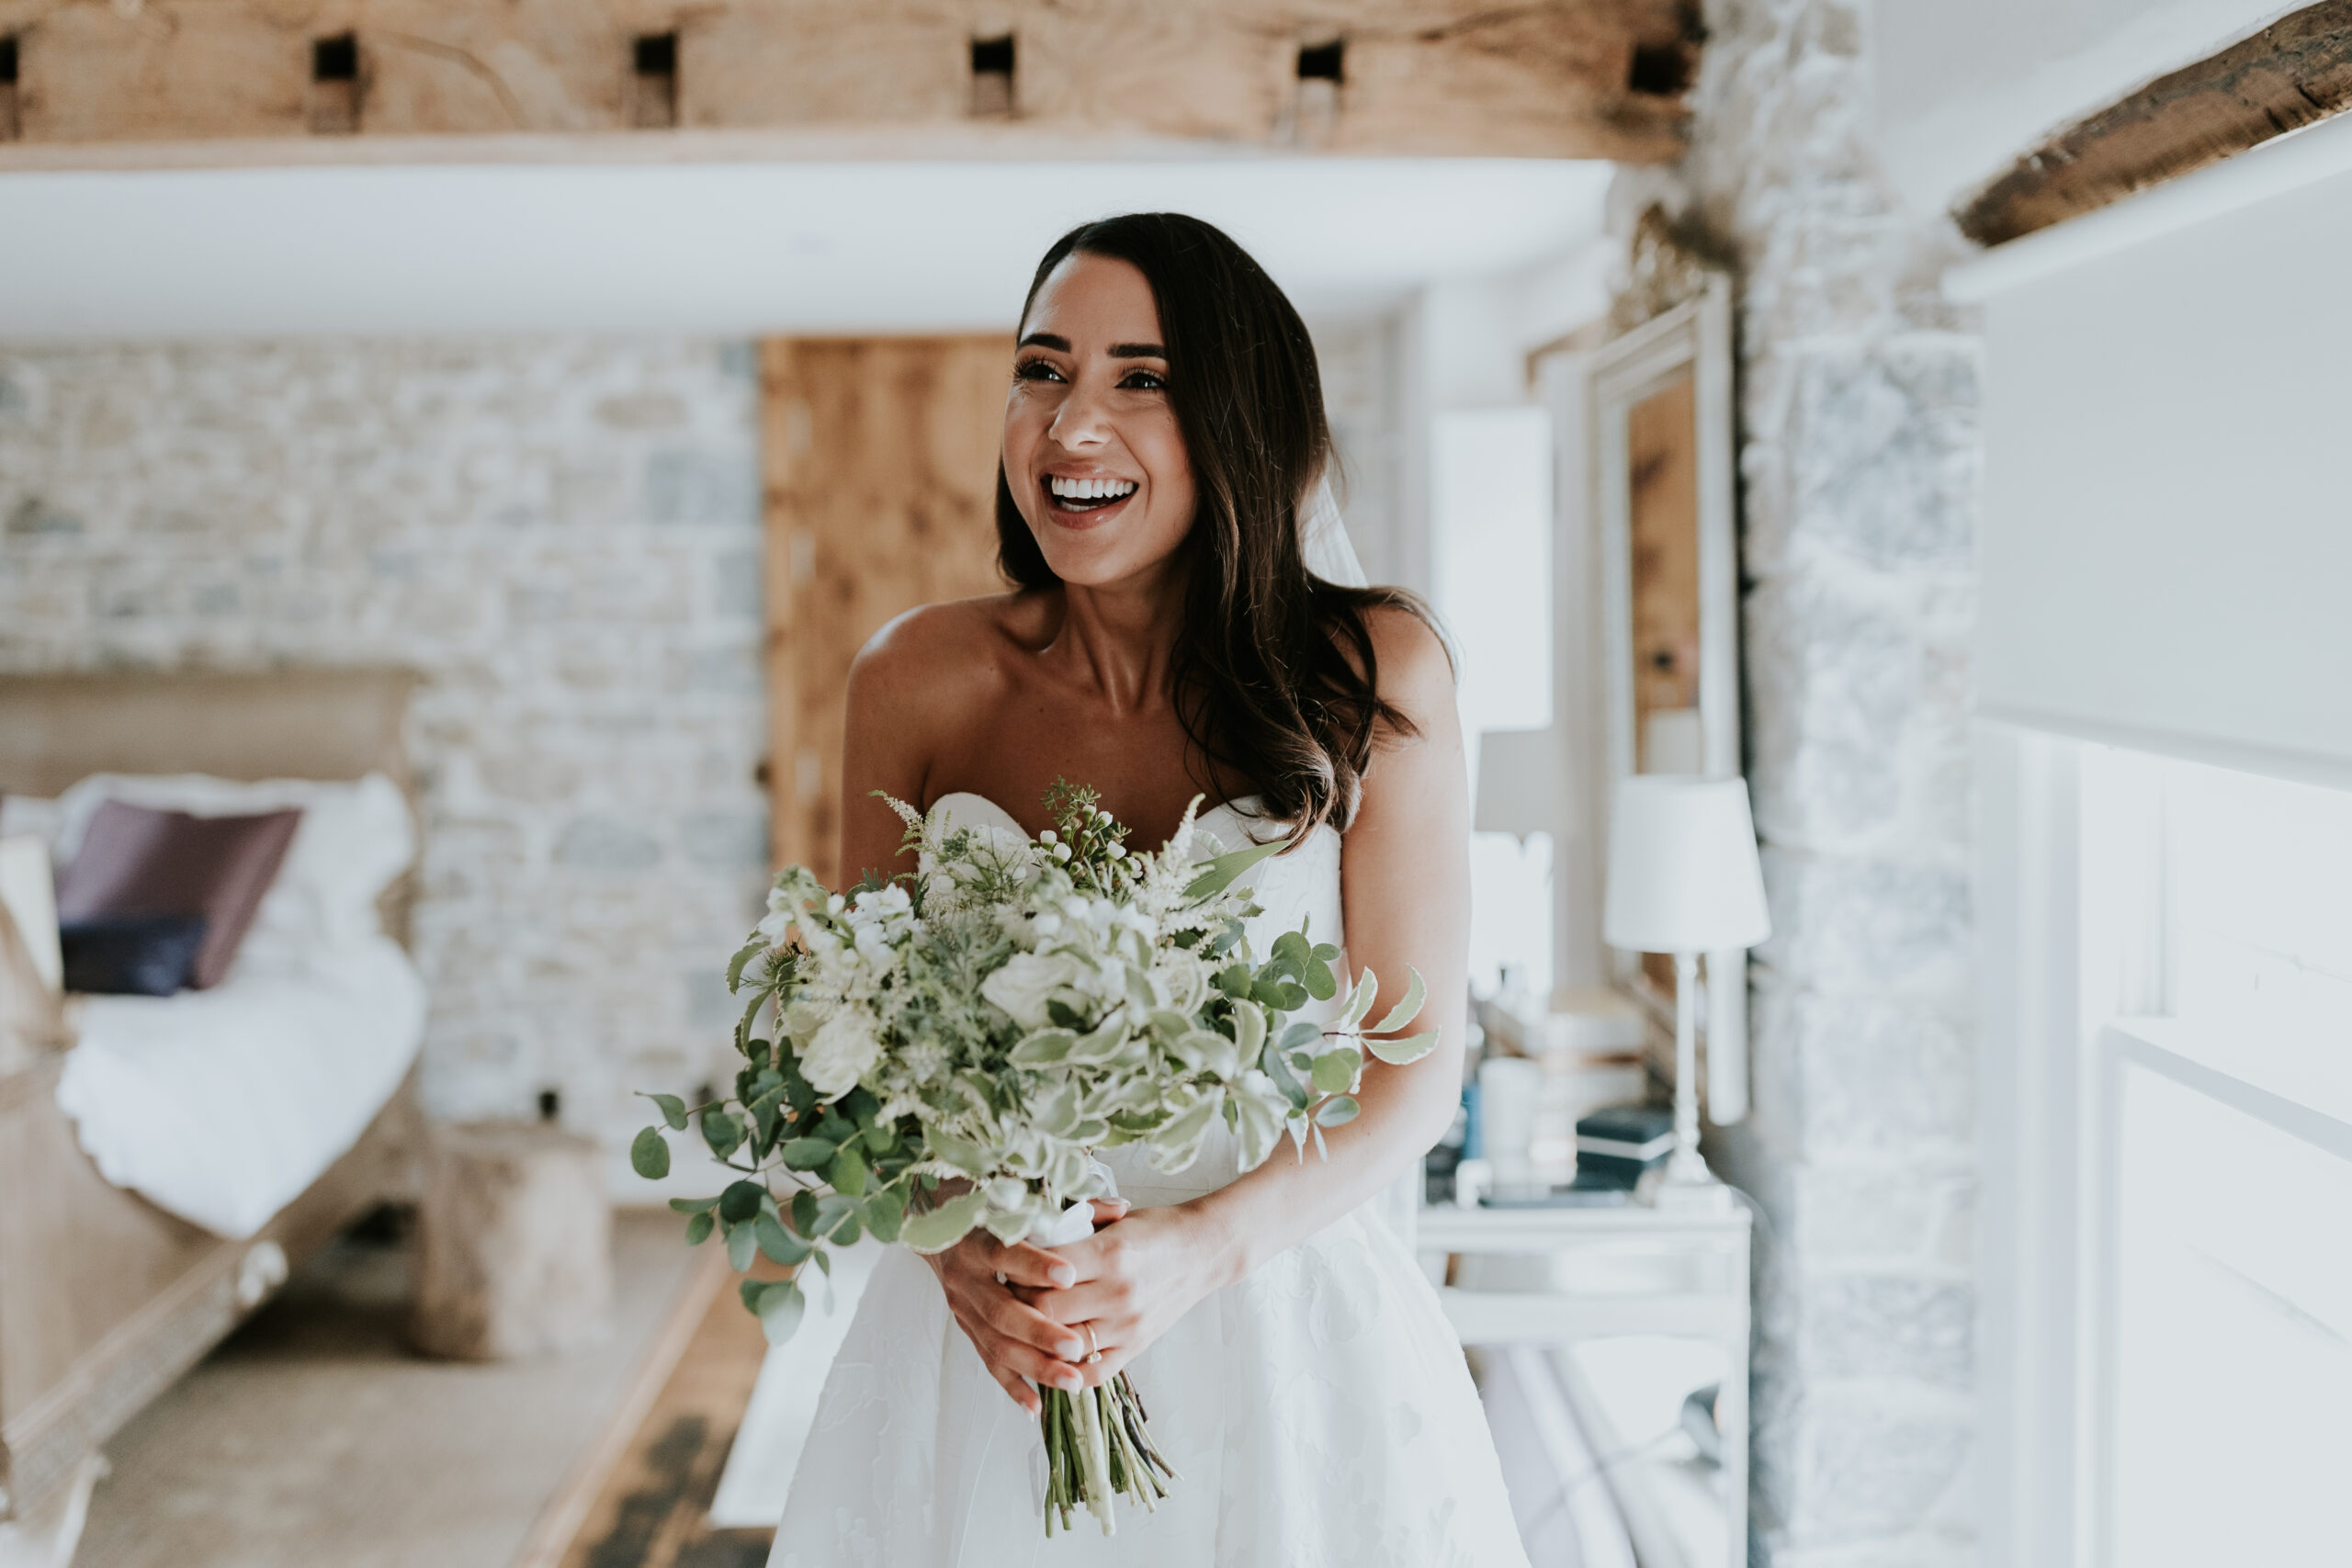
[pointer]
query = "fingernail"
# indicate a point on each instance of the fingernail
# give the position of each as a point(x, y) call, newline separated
point(1068, 1349)
point(1064, 1275)
point(1070, 1380)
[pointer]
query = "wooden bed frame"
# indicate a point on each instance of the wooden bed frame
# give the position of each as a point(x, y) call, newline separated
point(104, 1299)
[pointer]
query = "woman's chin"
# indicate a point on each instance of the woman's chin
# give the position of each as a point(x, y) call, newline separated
point(1092, 549)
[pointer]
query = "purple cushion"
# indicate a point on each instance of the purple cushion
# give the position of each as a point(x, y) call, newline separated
point(134, 860)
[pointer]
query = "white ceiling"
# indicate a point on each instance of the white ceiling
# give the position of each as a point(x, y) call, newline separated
point(721, 248)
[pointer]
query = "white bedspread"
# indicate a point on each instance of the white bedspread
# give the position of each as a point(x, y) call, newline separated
point(223, 1106)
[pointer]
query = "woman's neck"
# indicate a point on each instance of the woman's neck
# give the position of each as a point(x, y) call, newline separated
point(1120, 638)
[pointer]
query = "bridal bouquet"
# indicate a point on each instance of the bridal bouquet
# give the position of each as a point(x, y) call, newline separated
point(949, 1050)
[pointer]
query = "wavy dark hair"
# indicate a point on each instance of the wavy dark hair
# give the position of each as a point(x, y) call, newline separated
point(1276, 681)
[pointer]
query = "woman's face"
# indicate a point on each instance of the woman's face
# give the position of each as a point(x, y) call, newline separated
point(1091, 451)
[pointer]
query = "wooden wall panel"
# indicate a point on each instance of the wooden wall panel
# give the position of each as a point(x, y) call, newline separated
point(879, 458)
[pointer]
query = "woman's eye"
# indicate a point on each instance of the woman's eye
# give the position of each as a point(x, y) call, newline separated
point(1035, 370)
point(1144, 381)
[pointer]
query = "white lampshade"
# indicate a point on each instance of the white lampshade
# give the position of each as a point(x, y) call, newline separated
point(1683, 876)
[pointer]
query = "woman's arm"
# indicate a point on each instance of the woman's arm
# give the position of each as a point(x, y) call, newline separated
point(1405, 881)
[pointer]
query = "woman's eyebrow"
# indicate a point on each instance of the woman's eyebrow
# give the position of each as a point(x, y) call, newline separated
point(1058, 343)
point(1138, 351)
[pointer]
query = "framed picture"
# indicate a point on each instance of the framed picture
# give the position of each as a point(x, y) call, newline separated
point(1664, 505)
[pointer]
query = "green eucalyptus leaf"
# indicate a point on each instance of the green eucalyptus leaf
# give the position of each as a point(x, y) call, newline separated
point(690, 1205)
point(1271, 1063)
point(1301, 1036)
point(847, 1236)
point(1335, 1071)
point(698, 1228)
point(1337, 1112)
point(848, 1172)
point(740, 1201)
point(824, 1263)
point(804, 1213)
point(742, 1244)
point(780, 1245)
point(674, 1110)
point(1321, 984)
point(832, 1210)
point(1401, 1053)
point(807, 1153)
point(649, 1156)
point(884, 1214)
point(723, 1131)
point(1416, 991)
point(942, 1227)
point(781, 1307)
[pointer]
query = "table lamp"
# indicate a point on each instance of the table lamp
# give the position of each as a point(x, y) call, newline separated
point(1684, 879)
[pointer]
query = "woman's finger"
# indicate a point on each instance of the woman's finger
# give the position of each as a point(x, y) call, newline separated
point(1021, 1264)
point(1097, 1301)
point(1110, 1210)
point(1029, 1327)
point(1026, 1362)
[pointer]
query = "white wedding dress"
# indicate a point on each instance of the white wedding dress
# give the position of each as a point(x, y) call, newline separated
point(1318, 1412)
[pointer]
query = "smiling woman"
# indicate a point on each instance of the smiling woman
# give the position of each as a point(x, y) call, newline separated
point(1163, 428)
point(1277, 675)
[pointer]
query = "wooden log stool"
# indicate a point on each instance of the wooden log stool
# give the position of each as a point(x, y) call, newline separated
point(513, 1243)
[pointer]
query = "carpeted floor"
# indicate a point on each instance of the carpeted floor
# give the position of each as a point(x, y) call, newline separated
point(314, 1439)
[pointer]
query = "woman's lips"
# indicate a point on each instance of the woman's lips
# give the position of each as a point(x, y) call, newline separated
point(1088, 517)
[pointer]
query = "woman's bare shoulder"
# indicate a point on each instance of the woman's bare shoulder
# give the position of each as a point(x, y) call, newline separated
point(942, 658)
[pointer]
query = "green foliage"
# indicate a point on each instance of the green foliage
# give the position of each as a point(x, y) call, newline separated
point(1016, 1006)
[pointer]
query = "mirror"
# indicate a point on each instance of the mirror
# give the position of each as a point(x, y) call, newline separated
point(1661, 425)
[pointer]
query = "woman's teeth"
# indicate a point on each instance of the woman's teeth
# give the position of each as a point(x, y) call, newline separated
point(1085, 495)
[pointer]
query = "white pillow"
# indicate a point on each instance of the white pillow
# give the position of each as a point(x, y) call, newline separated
point(355, 839)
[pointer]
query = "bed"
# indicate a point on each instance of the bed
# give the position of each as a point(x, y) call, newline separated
point(107, 1296)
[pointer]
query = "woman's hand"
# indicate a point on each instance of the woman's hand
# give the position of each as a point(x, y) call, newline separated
point(1134, 1279)
point(988, 1286)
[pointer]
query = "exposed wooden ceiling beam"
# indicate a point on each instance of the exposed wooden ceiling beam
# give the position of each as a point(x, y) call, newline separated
point(1548, 78)
point(2291, 74)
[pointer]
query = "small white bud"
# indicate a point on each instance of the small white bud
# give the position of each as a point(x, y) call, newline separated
point(1117, 850)
point(1061, 851)
point(1049, 837)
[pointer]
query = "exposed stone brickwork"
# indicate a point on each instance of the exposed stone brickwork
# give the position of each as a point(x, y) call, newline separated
point(1857, 463)
point(563, 537)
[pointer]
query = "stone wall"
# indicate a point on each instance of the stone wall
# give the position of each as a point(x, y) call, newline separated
point(563, 536)
point(1858, 453)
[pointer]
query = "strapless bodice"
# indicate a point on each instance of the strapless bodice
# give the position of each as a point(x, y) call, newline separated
point(1302, 885)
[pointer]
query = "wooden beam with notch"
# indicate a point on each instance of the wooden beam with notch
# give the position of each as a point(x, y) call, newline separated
point(2292, 74)
point(1537, 78)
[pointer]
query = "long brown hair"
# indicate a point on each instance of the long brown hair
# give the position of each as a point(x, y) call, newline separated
point(1275, 678)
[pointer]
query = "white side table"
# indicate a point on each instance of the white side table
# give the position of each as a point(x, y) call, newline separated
point(1596, 1274)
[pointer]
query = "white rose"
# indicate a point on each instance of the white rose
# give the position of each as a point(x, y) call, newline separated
point(1026, 983)
point(842, 1051)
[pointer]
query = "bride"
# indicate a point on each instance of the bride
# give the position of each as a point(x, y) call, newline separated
point(1163, 433)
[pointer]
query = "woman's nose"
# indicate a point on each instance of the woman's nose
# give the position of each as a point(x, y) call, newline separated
point(1081, 420)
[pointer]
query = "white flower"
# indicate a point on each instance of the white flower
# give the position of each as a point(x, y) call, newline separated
point(842, 1051)
point(1027, 982)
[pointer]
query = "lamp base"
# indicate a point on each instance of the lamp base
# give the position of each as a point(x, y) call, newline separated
point(1683, 1195)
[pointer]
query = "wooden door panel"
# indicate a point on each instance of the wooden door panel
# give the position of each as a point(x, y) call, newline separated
point(879, 458)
